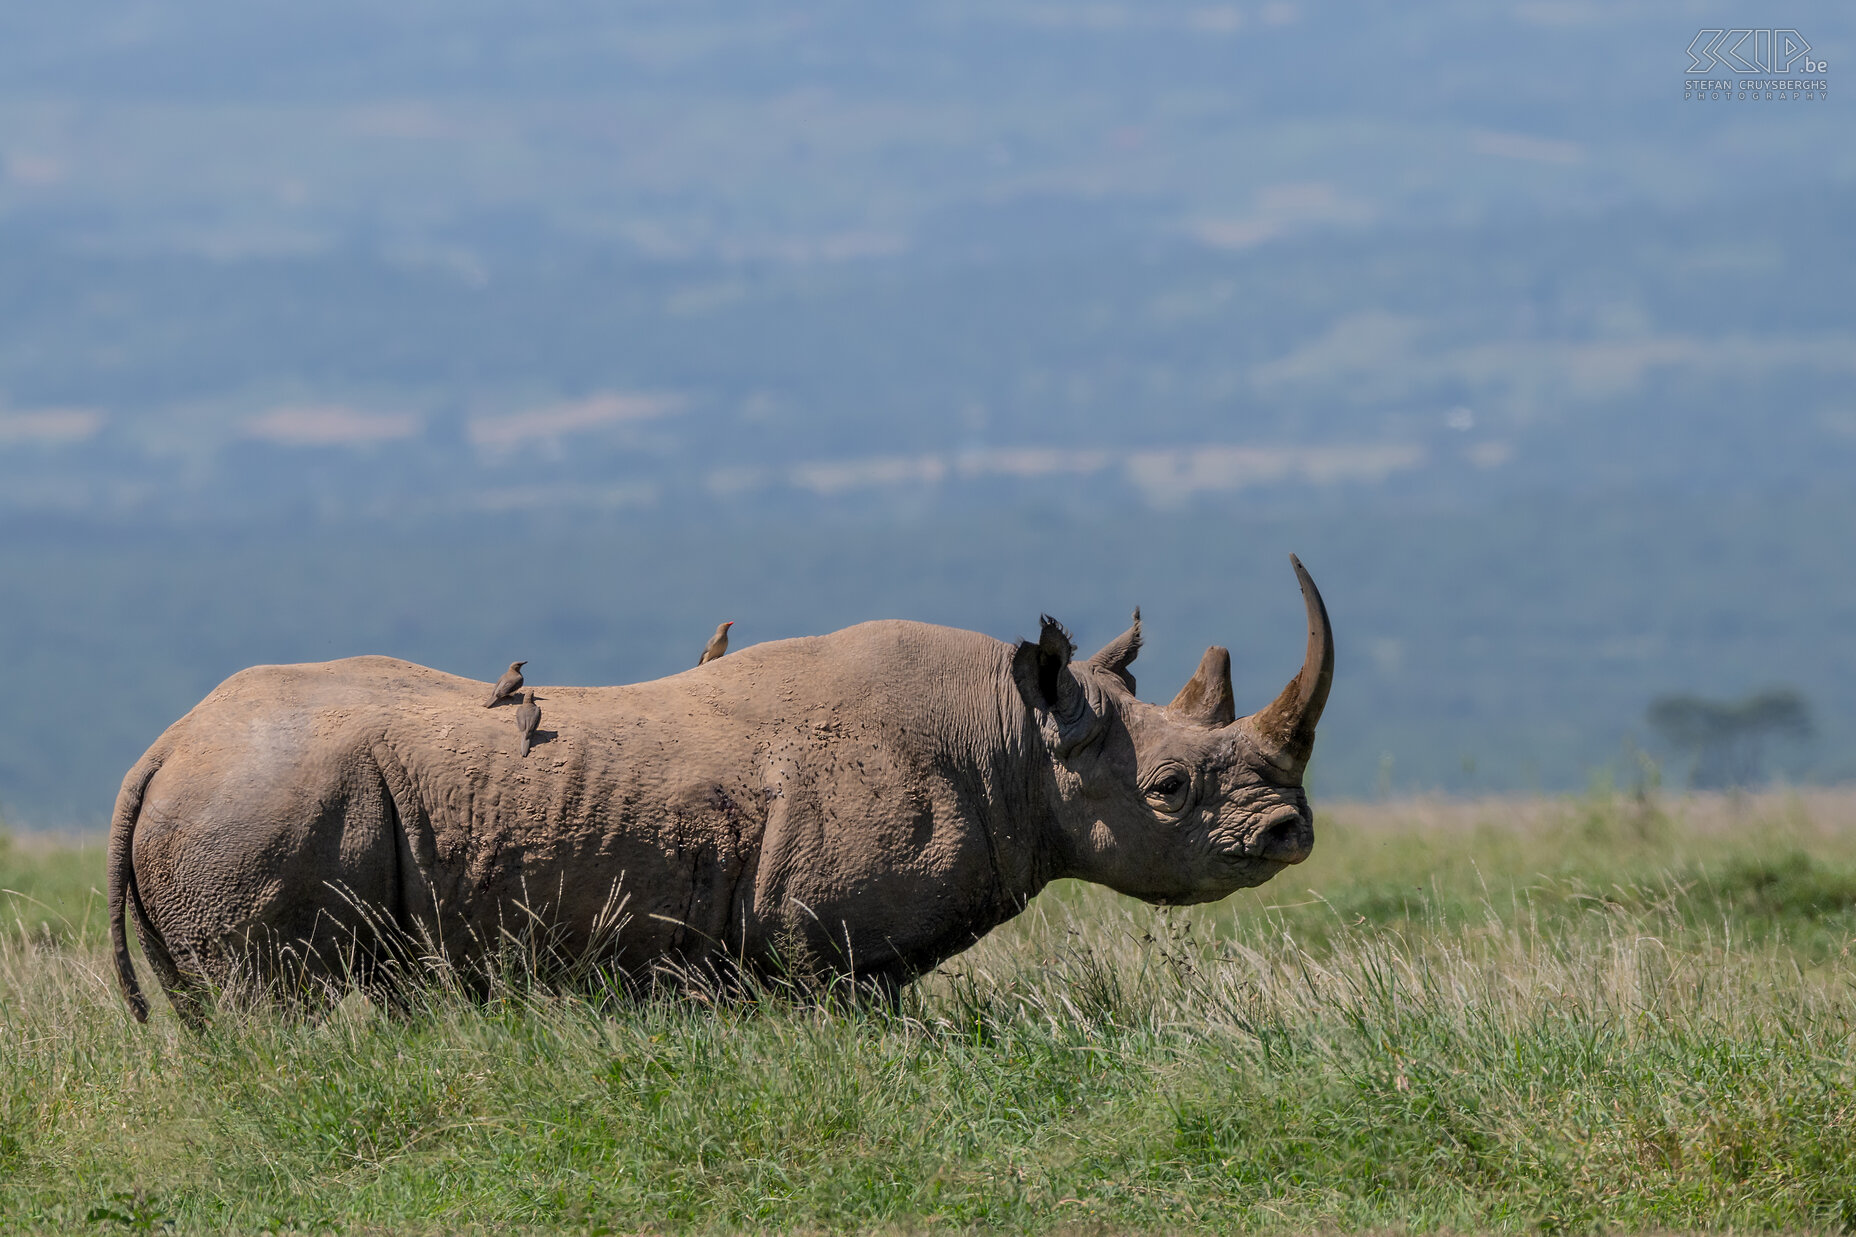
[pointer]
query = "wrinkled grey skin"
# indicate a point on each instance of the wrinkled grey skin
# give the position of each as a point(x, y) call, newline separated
point(882, 796)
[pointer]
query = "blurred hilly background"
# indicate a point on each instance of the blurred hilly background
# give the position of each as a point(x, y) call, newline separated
point(472, 331)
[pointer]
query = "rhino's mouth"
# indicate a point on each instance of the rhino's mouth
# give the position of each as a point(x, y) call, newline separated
point(1243, 871)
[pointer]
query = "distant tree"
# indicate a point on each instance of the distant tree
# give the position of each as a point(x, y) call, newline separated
point(1726, 740)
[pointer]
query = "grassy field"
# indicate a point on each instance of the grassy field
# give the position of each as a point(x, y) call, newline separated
point(1551, 1016)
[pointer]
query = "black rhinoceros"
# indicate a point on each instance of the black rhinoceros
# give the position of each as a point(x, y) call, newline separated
point(880, 797)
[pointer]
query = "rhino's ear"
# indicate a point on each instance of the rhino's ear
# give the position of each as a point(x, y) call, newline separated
point(1042, 673)
point(1038, 668)
point(1118, 654)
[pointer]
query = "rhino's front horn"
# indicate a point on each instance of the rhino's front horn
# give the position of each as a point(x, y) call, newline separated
point(1206, 698)
point(1286, 729)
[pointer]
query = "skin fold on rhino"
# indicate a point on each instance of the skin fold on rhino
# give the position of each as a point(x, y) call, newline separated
point(877, 799)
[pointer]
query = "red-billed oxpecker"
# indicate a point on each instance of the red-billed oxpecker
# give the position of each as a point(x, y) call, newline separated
point(718, 644)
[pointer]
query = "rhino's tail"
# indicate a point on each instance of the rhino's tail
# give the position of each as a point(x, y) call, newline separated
point(122, 889)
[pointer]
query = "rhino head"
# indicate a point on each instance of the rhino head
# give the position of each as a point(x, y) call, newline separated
point(1186, 802)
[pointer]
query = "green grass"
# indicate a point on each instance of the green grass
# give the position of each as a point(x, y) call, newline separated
point(1597, 1014)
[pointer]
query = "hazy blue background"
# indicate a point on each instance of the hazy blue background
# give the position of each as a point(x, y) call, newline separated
point(474, 331)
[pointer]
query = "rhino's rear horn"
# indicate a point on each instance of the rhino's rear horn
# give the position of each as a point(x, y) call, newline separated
point(1286, 728)
point(1118, 654)
point(1206, 698)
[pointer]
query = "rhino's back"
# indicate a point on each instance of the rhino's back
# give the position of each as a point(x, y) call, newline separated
point(886, 663)
point(271, 742)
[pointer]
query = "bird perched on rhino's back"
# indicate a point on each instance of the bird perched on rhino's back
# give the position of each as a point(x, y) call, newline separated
point(508, 685)
point(718, 644)
point(528, 717)
point(878, 799)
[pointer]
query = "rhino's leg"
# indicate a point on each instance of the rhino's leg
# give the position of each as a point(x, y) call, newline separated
point(187, 989)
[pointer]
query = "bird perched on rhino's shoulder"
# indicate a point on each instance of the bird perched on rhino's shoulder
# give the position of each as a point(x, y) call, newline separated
point(528, 717)
point(718, 644)
point(508, 685)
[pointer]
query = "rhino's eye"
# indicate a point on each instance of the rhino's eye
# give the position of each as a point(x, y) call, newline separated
point(1167, 790)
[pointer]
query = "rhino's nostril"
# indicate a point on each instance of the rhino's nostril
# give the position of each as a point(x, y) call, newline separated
point(1286, 839)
